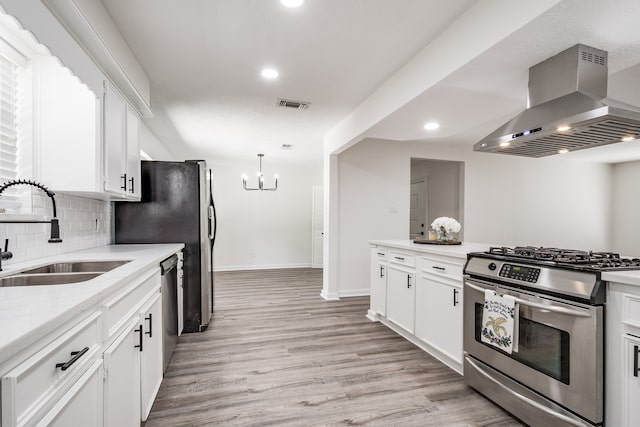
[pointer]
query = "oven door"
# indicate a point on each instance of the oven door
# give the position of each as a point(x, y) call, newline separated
point(560, 347)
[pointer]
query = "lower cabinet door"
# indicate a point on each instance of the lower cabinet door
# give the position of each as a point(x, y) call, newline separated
point(122, 378)
point(401, 298)
point(439, 316)
point(82, 404)
point(379, 288)
point(151, 355)
point(631, 382)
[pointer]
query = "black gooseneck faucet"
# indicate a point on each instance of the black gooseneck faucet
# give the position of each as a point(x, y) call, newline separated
point(55, 226)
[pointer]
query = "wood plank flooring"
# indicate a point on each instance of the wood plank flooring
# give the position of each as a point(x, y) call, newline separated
point(277, 354)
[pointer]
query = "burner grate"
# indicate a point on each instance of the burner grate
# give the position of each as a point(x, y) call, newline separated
point(568, 257)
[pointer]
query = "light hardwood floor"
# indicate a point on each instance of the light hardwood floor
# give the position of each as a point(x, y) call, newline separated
point(277, 354)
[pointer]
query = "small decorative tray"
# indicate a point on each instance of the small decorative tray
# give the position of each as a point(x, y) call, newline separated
point(437, 242)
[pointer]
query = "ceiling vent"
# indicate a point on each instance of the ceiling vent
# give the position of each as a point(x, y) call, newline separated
point(297, 105)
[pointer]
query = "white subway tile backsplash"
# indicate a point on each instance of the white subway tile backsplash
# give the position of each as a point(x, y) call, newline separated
point(77, 228)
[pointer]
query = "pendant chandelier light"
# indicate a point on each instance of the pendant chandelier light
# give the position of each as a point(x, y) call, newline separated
point(260, 186)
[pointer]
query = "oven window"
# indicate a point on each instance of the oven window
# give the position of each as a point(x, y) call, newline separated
point(540, 347)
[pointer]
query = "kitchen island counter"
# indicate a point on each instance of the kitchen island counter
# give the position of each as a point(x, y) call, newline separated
point(456, 251)
point(29, 314)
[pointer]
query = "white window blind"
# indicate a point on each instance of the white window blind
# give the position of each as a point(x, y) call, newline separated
point(8, 131)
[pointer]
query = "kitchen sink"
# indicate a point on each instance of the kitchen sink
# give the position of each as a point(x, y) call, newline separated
point(77, 267)
point(46, 279)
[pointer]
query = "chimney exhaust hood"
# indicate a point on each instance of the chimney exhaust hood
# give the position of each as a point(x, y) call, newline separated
point(568, 109)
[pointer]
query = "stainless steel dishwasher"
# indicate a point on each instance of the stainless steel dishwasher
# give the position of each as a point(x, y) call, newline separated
point(169, 272)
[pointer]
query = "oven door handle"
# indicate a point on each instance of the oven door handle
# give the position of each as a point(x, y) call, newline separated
point(519, 396)
point(552, 308)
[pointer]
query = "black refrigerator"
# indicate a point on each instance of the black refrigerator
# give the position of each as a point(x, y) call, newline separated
point(177, 207)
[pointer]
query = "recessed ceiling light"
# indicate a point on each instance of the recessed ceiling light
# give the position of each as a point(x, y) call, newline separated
point(505, 144)
point(563, 151)
point(563, 128)
point(269, 73)
point(628, 138)
point(292, 3)
point(431, 126)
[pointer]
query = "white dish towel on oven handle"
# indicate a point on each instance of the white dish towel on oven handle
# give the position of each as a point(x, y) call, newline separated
point(500, 321)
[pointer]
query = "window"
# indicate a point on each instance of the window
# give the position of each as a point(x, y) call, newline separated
point(8, 133)
point(16, 118)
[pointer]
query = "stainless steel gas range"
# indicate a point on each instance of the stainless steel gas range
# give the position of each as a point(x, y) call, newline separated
point(555, 374)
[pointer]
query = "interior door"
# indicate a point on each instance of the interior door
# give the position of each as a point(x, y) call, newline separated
point(317, 234)
point(418, 210)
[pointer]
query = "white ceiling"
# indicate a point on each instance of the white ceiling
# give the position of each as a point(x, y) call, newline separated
point(204, 57)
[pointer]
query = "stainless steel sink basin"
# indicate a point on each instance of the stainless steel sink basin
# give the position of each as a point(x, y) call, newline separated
point(77, 267)
point(46, 279)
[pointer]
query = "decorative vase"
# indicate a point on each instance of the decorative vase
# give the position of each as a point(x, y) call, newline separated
point(446, 236)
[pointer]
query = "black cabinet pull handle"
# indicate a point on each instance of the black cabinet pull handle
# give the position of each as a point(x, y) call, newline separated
point(141, 333)
point(131, 181)
point(150, 319)
point(76, 355)
point(124, 180)
point(438, 268)
point(399, 258)
point(381, 253)
point(635, 360)
point(455, 300)
point(408, 281)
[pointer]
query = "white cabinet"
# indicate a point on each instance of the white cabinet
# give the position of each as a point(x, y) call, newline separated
point(419, 295)
point(151, 354)
point(439, 315)
point(133, 153)
point(81, 404)
point(622, 356)
point(133, 361)
point(114, 130)
point(122, 377)
point(121, 145)
point(84, 143)
point(32, 387)
point(378, 283)
point(180, 288)
point(67, 145)
point(401, 297)
point(631, 381)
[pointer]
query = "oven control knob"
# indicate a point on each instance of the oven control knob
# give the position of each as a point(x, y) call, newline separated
point(492, 266)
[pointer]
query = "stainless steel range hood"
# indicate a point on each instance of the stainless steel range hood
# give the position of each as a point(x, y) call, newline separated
point(568, 109)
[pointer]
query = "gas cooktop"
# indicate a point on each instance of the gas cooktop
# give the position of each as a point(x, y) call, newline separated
point(566, 258)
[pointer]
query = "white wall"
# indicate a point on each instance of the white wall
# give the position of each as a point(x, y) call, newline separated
point(263, 229)
point(626, 209)
point(151, 145)
point(507, 200)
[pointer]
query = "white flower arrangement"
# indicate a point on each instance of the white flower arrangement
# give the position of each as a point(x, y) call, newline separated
point(445, 227)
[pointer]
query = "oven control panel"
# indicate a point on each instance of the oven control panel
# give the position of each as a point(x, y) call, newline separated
point(518, 272)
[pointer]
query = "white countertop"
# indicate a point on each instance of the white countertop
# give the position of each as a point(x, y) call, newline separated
point(29, 313)
point(629, 277)
point(457, 251)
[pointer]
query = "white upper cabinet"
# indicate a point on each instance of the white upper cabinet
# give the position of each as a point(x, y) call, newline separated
point(121, 146)
point(65, 128)
point(115, 108)
point(133, 153)
point(83, 144)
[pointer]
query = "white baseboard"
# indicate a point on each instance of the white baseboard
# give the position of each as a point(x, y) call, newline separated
point(259, 267)
point(329, 296)
point(354, 293)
